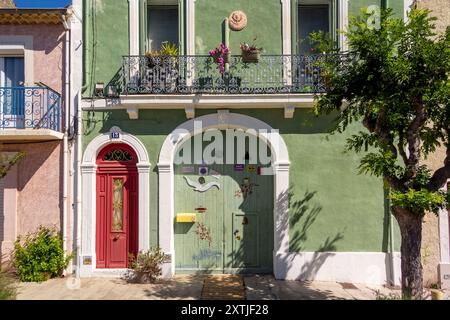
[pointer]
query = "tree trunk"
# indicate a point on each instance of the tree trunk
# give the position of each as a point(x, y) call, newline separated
point(411, 232)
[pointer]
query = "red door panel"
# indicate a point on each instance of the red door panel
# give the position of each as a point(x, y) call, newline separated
point(117, 206)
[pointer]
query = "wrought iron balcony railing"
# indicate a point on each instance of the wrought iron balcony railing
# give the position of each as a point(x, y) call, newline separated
point(200, 74)
point(30, 108)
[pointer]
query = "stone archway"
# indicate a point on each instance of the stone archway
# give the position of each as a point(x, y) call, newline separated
point(88, 181)
point(280, 165)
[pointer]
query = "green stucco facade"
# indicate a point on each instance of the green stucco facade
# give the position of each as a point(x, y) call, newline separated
point(106, 31)
point(332, 208)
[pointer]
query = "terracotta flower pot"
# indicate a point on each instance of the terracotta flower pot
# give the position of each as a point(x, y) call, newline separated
point(251, 56)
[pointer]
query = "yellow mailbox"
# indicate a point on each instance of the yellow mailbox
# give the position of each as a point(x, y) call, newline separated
point(186, 217)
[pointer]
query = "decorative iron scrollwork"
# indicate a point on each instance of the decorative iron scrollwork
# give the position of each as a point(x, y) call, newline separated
point(118, 155)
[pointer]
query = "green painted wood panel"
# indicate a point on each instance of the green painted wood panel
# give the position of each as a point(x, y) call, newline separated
point(240, 223)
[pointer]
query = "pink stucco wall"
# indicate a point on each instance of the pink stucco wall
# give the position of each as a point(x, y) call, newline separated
point(39, 185)
point(48, 44)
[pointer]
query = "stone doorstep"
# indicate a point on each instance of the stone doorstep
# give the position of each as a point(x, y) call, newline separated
point(223, 287)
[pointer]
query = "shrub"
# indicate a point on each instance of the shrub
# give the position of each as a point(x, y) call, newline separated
point(39, 256)
point(147, 264)
point(7, 287)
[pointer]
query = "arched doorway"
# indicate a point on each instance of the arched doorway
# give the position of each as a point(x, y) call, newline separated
point(223, 120)
point(117, 205)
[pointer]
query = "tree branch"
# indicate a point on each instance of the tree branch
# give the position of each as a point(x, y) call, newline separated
point(440, 176)
point(413, 138)
point(400, 147)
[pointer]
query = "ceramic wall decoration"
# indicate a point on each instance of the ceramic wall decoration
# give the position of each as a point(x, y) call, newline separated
point(201, 187)
point(237, 20)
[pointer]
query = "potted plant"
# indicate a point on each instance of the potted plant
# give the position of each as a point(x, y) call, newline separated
point(250, 53)
point(220, 55)
point(167, 53)
point(146, 266)
point(167, 60)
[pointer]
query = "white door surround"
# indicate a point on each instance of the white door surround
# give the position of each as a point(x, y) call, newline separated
point(87, 256)
point(280, 164)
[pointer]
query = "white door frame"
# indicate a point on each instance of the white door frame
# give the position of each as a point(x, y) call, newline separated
point(280, 165)
point(87, 255)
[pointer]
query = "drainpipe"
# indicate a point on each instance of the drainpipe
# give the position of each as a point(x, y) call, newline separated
point(86, 48)
point(78, 152)
point(66, 130)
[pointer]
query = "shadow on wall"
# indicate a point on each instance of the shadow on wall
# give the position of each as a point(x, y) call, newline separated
point(304, 213)
point(39, 184)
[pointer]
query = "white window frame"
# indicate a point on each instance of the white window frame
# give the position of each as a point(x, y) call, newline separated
point(20, 46)
point(288, 28)
point(17, 46)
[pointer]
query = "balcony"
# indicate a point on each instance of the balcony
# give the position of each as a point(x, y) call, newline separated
point(186, 75)
point(30, 113)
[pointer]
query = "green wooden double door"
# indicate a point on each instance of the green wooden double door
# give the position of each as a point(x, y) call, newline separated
point(233, 231)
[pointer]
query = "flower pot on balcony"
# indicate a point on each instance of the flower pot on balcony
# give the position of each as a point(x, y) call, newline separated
point(437, 294)
point(226, 58)
point(251, 56)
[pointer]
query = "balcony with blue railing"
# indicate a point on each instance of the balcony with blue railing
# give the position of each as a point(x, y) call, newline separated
point(28, 110)
point(272, 74)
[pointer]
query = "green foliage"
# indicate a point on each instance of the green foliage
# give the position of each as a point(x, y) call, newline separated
point(419, 201)
point(167, 50)
point(7, 287)
point(4, 168)
point(380, 164)
point(390, 296)
point(147, 261)
point(394, 80)
point(39, 256)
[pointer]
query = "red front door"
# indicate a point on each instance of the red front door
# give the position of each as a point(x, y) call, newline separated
point(116, 229)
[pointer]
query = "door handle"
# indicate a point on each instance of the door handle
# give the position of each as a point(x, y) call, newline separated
point(116, 237)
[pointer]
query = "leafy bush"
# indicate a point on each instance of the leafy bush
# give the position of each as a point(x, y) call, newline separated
point(147, 264)
point(39, 256)
point(7, 288)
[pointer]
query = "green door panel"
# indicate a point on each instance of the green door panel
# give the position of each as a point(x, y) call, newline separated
point(236, 199)
point(245, 240)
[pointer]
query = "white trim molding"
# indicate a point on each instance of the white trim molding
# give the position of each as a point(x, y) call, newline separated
point(20, 45)
point(287, 26)
point(207, 101)
point(370, 268)
point(190, 27)
point(133, 7)
point(343, 24)
point(407, 8)
point(444, 232)
point(88, 180)
point(223, 120)
point(444, 245)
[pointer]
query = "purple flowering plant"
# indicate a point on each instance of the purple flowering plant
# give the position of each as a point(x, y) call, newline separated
point(219, 53)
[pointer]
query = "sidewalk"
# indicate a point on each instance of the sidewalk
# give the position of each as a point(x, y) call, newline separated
point(191, 287)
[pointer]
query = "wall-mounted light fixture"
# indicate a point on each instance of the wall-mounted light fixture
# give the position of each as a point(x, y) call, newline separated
point(99, 89)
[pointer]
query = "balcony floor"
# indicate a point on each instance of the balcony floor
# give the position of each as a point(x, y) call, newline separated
point(29, 135)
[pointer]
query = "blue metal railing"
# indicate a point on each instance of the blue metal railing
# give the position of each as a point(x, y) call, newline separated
point(30, 108)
